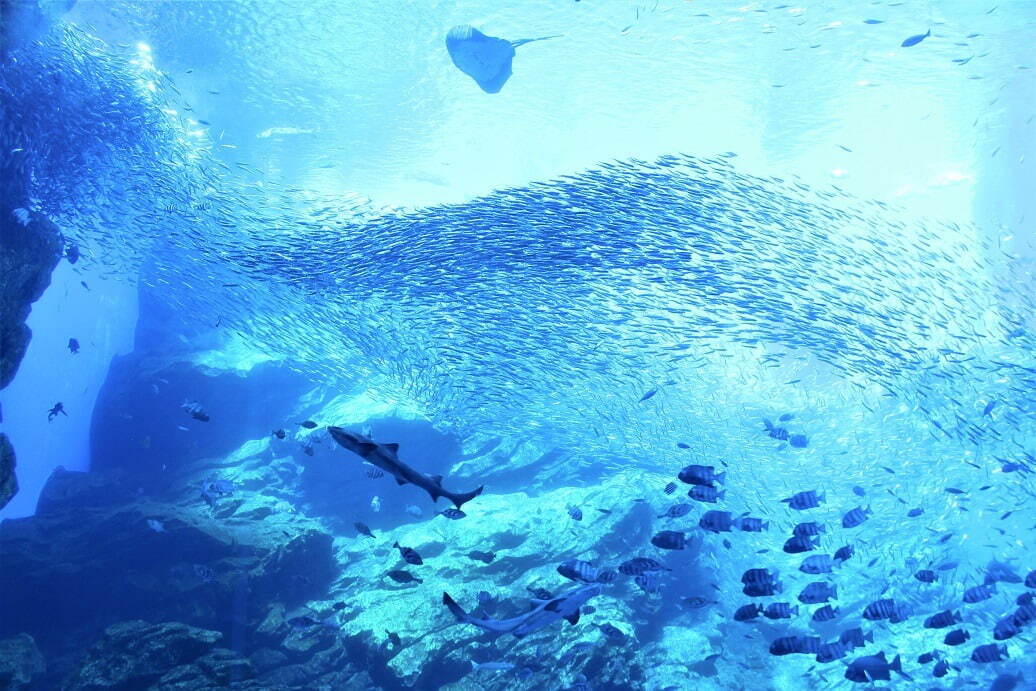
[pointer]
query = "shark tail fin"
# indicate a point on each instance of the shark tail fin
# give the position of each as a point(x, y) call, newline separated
point(454, 608)
point(461, 498)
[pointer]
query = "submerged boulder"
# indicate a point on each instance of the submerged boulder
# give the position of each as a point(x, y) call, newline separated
point(8, 480)
point(135, 654)
point(20, 661)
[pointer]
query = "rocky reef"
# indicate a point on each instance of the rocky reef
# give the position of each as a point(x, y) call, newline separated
point(30, 247)
point(240, 565)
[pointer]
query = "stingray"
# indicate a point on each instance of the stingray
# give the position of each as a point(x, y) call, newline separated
point(486, 59)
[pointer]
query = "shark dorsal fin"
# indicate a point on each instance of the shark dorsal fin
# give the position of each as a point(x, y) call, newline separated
point(573, 618)
point(437, 479)
point(394, 448)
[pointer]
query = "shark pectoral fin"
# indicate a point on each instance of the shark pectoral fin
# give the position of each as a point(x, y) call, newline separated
point(553, 605)
point(394, 448)
point(573, 618)
point(400, 481)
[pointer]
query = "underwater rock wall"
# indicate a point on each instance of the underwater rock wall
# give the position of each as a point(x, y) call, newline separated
point(30, 247)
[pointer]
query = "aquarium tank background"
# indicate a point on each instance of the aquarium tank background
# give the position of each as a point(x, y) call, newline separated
point(530, 345)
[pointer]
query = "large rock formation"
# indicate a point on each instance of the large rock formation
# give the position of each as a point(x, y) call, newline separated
point(20, 662)
point(30, 248)
point(8, 480)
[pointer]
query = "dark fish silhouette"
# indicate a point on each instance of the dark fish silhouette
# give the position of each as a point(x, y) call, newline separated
point(409, 554)
point(486, 59)
point(384, 456)
point(544, 612)
point(914, 40)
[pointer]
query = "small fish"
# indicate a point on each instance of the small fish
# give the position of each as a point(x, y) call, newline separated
point(409, 554)
point(574, 512)
point(914, 513)
point(414, 510)
point(914, 40)
point(825, 613)
point(279, 433)
point(376, 503)
point(748, 612)
point(855, 517)
point(648, 396)
point(73, 346)
point(194, 409)
point(670, 488)
point(990, 652)
point(650, 582)
point(362, 529)
point(156, 525)
point(452, 514)
point(308, 424)
point(859, 491)
point(669, 539)
point(639, 565)
point(373, 472)
point(804, 500)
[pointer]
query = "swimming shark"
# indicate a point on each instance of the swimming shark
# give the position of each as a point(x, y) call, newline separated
point(384, 456)
point(544, 612)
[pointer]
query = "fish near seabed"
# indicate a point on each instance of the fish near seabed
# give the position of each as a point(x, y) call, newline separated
point(486, 59)
point(384, 456)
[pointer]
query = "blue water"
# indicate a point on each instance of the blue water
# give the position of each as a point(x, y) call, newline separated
point(564, 255)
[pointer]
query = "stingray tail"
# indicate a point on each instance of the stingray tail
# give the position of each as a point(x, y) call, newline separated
point(523, 41)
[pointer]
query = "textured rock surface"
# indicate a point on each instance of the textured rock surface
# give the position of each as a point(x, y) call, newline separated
point(30, 248)
point(273, 563)
point(29, 252)
point(135, 654)
point(20, 662)
point(8, 479)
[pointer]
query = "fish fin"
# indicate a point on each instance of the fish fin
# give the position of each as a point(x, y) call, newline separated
point(437, 479)
point(394, 448)
point(573, 618)
point(366, 447)
point(459, 499)
point(400, 481)
point(456, 609)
